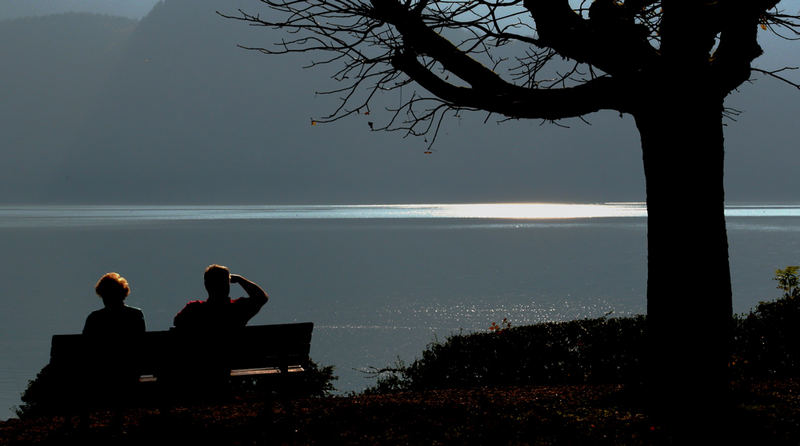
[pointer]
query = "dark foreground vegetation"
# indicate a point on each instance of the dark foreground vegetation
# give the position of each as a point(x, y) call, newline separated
point(767, 414)
point(766, 345)
point(575, 382)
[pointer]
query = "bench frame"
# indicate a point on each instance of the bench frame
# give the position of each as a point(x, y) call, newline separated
point(258, 352)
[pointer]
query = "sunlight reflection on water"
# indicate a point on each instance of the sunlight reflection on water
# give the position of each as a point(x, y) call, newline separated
point(37, 216)
point(473, 317)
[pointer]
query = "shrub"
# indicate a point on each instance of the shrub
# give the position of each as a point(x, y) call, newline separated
point(40, 397)
point(766, 343)
point(788, 281)
point(584, 351)
point(47, 395)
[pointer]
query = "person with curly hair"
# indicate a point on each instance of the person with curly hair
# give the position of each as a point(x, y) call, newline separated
point(116, 319)
point(113, 335)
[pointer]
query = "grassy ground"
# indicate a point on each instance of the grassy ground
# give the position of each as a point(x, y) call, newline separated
point(768, 413)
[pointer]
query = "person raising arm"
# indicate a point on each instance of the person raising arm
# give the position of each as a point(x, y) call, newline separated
point(251, 288)
point(219, 311)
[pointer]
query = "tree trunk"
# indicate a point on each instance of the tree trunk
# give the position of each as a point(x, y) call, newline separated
point(688, 287)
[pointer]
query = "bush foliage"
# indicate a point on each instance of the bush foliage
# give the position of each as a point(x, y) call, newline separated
point(766, 341)
point(604, 350)
point(586, 351)
point(766, 344)
point(47, 395)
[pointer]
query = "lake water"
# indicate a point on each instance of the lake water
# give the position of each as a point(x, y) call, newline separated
point(379, 282)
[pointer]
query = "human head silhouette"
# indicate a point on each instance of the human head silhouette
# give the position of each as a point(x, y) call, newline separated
point(217, 279)
point(113, 289)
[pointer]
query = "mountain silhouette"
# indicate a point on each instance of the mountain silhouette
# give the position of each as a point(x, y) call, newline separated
point(15, 9)
point(169, 110)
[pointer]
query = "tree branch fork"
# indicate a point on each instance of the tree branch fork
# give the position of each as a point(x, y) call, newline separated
point(453, 50)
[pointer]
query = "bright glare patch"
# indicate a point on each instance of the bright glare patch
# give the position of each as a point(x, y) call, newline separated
point(542, 211)
point(66, 215)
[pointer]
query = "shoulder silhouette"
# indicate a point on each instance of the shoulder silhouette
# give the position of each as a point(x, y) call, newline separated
point(219, 311)
point(115, 319)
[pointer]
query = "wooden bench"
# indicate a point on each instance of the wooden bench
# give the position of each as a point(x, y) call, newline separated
point(163, 360)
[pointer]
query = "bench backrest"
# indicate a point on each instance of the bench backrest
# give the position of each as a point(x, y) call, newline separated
point(253, 346)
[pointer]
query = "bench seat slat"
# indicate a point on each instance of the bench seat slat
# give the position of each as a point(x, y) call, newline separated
point(256, 371)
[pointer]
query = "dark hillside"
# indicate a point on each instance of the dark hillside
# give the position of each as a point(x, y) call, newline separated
point(50, 72)
point(14, 9)
point(184, 105)
point(175, 102)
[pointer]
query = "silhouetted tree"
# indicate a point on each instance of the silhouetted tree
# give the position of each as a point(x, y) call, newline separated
point(668, 63)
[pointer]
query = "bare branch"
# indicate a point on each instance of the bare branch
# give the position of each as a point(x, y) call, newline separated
point(774, 74)
point(462, 52)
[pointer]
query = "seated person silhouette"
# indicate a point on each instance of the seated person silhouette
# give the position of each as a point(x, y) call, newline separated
point(115, 319)
point(219, 311)
point(113, 341)
point(205, 331)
